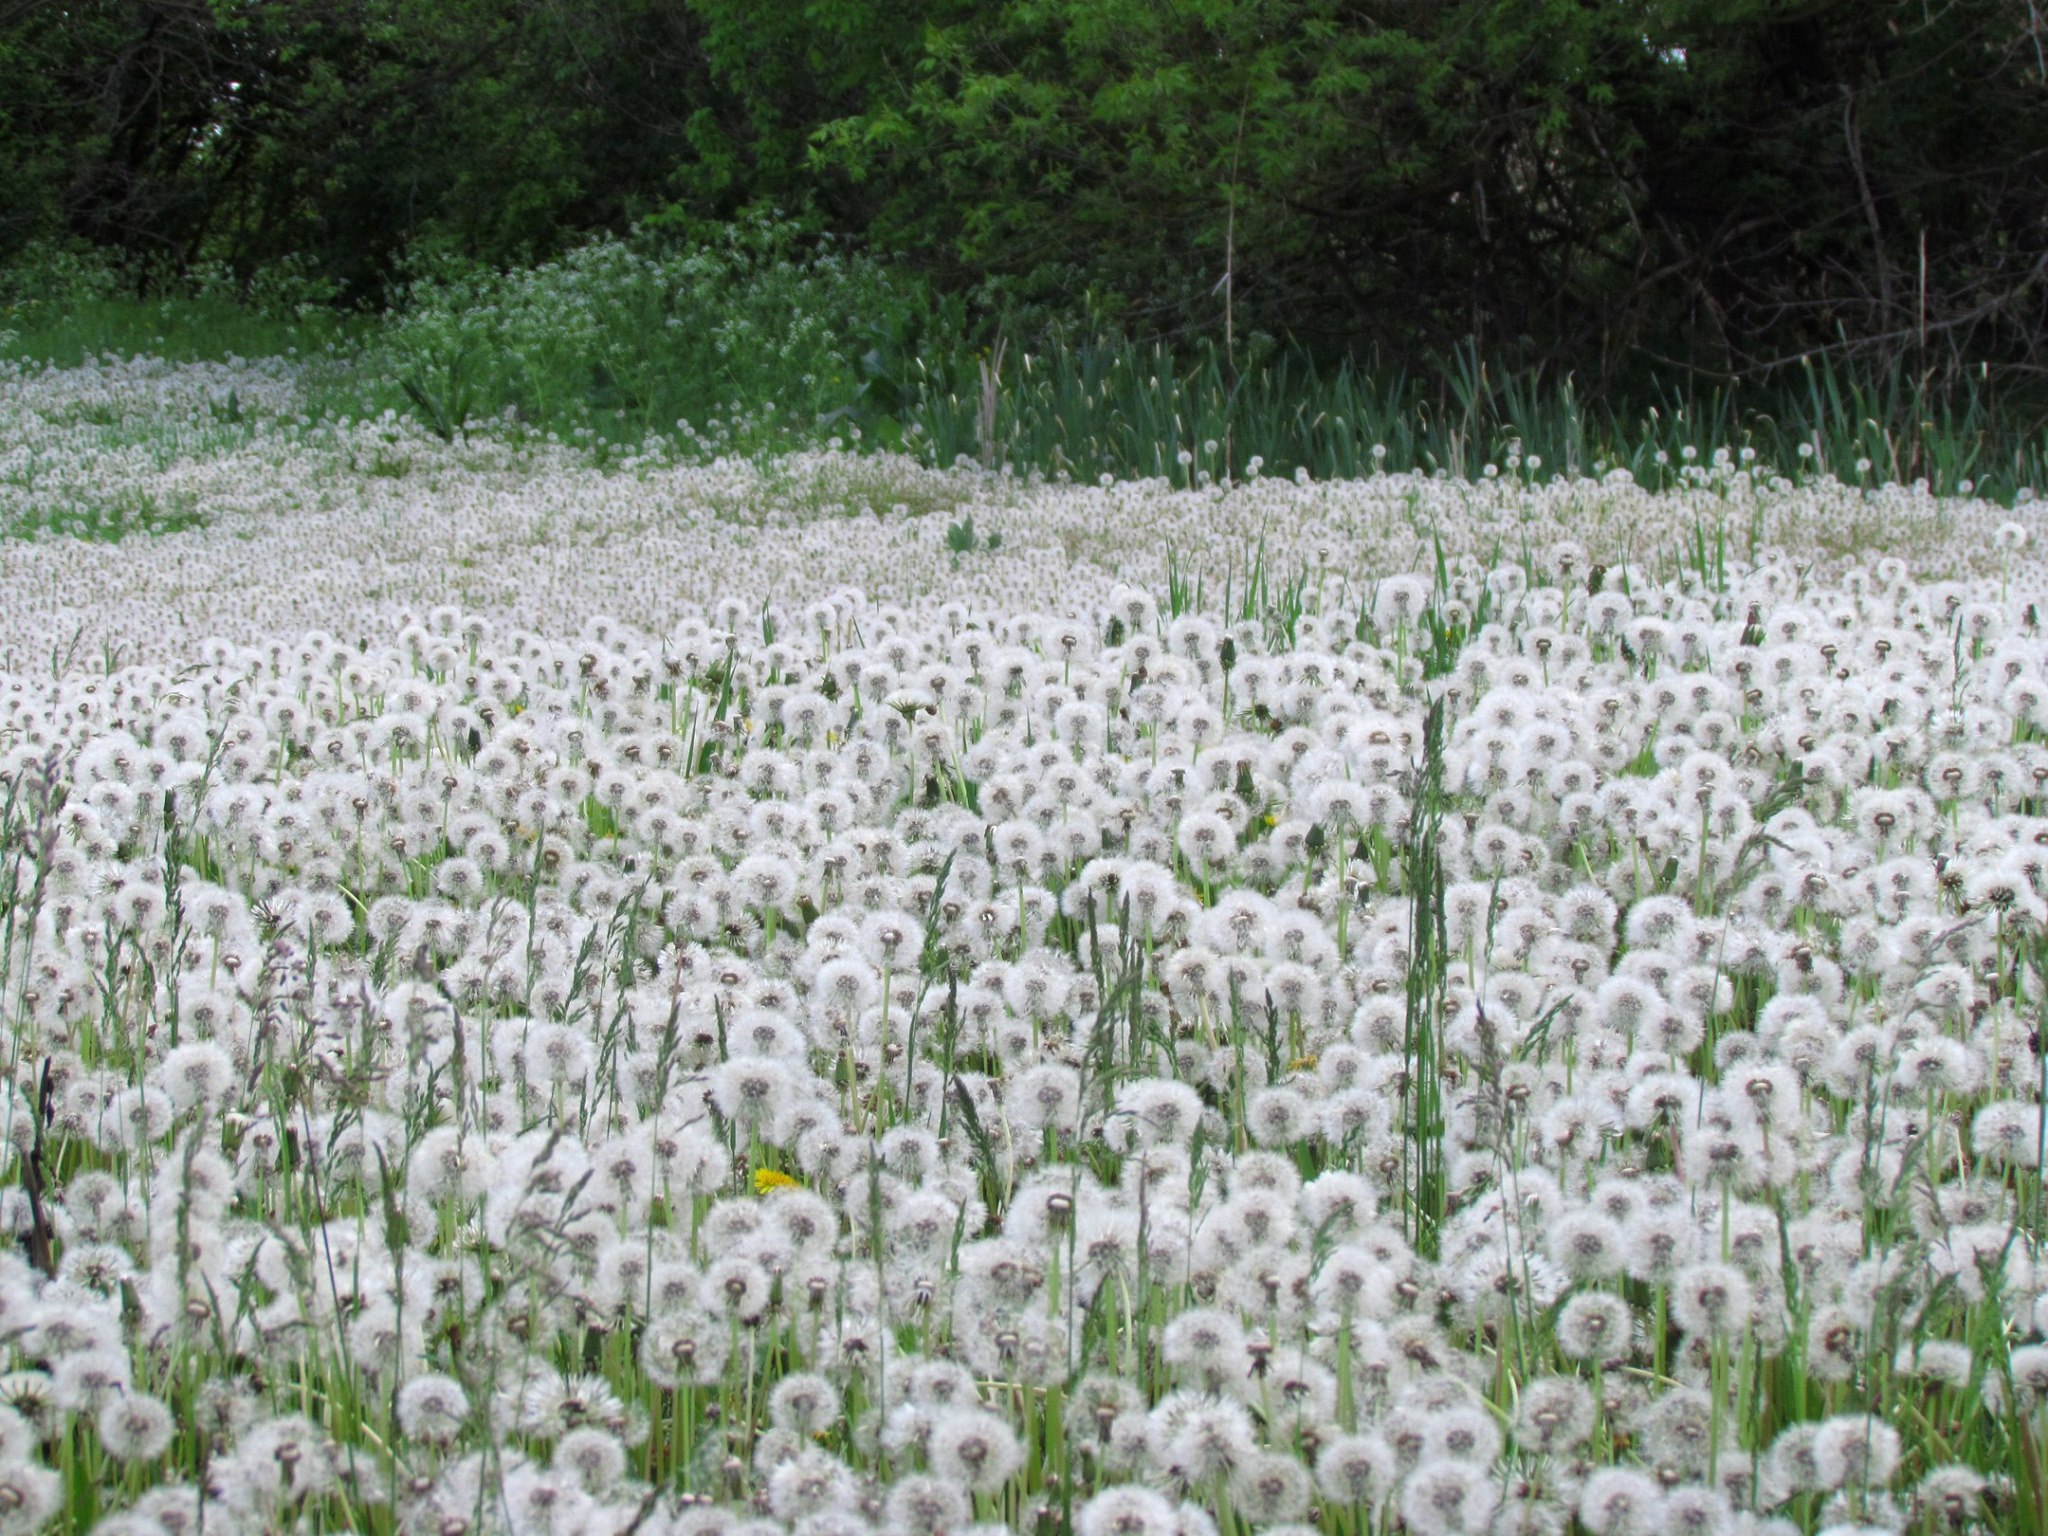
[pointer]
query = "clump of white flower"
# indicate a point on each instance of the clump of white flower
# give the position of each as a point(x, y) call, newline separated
point(533, 1000)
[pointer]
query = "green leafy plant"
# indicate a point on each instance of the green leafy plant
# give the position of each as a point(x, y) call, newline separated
point(962, 539)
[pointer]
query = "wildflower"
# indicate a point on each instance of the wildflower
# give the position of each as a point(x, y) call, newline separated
point(1359, 1471)
point(1465, 1432)
point(1621, 1501)
point(86, 1379)
point(2030, 1373)
point(753, 1091)
point(1278, 1117)
point(1696, 1511)
point(1855, 1450)
point(1791, 1460)
point(1834, 1350)
point(1045, 1097)
point(1449, 1498)
point(803, 1403)
point(1554, 1414)
point(737, 1286)
point(1271, 1488)
point(1950, 1495)
point(1127, 1510)
point(445, 1166)
point(1658, 1243)
point(1199, 1437)
point(1677, 1431)
point(973, 1448)
point(592, 1456)
point(277, 1460)
point(197, 1074)
point(809, 1484)
point(1712, 1300)
point(1155, 1111)
point(1585, 1245)
point(1595, 1325)
point(432, 1409)
point(2008, 1133)
point(919, 1505)
point(1937, 1360)
point(135, 1427)
point(684, 1347)
point(1204, 1339)
point(29, 1497)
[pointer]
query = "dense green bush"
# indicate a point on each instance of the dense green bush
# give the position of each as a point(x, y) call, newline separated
point(760, 336)
point(1619, 190)
point(691, 340)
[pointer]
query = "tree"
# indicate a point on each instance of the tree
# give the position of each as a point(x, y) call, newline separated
point(1604, 186)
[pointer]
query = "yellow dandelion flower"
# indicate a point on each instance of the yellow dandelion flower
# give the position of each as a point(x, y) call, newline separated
point(768, 1180)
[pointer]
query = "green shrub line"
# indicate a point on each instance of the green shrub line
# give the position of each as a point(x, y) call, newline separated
point(769, 340)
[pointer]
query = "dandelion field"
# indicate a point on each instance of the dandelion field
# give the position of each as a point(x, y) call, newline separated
point(710, 996)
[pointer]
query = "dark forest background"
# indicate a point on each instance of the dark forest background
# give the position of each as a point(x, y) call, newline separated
point(1622, 191)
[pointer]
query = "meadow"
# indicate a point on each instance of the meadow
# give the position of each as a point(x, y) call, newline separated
point(630, 981)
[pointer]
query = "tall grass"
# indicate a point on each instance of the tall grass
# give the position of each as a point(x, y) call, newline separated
point(765, 339)
point(1119, 408)
point(65, 307)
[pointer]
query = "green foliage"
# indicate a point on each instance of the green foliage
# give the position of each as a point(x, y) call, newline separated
point(1422, 1080)
point(1687, 189)
point(106, 519)
point(438, 385)
point(752, 340)
point(1195, 242)
point(64, 303)
point(696, 339)
point(353, 136)
point(962, 539)
point(1579, 186)
point(1115, 407)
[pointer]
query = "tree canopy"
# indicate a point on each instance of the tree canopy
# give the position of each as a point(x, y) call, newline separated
point(1605, 186)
